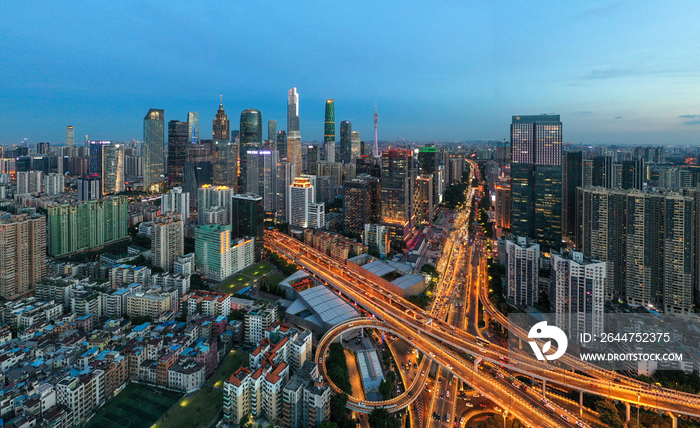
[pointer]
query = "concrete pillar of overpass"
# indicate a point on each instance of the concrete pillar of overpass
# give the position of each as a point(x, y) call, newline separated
point(627, 412)
point(580, 403)
point(544, 388)
point(674, 420)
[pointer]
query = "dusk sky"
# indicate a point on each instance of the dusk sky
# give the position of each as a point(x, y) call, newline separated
point(616, 72)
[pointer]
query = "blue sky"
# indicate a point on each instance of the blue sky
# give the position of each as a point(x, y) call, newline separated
point(616, 72)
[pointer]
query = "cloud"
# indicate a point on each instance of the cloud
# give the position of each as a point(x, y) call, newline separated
point(618, 117)
point(690, 116)
point(692, 122)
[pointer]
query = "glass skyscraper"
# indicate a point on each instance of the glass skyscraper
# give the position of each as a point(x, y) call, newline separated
point(271, 130)
point(247, 217)
point(282, 144)
point(178, 140)
point(329, 132)
point(536, 179)
point(193, 127)
point(345, 147)
point(251, 139)
point(154, 148)
point(396, 191)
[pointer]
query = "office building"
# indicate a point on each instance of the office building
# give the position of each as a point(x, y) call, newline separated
point(95, 164)
point(572, 166)
point(176, 202)
point(154, 151)
point(86, 225)
point(220, 126)
point(578, 293)
point(293, 134)
point(536, 179)
point(429, 164)
point(376, 237)
point(70, 136)
point(262, 176)
point(213, 251)
point(522, 271)
point(325, 189)
point(503, 154)
point(355, 149)
point(303, 210)
point(329, 133)
point(168, 240)
point(423, 198)
point(396, 190)
point(314, 157)
point(282, 144)
point(224, 167)
point(193, 127)
point(284, 180)
point(247, 218)
point(345, 148)
point(22, 255)
point(361, 203)
point(272, 131)
point(178, 141)
point(503, 204)
point(251, 139)
point(112, 168)
point(54, 184)
point(43, 148)
point(89, 188)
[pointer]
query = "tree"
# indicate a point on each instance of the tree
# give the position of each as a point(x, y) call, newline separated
point(380, 418)
point(329, 424)
point(609, 414)
point(338, 411)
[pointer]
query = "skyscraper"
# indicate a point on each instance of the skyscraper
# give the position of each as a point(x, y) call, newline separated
point(284, 180)
point(224, 164)
point(178, 141)
point(345, 148)
point(361, 203)
point(429, 164)
point(247, 218)
point(536, 174)
point(376, 146)
point(262, 176)
point(193, 127)
point(154, 150)
point(221, 128)
point(70, 136)
point(212, 243)
point(303, 209)
point(95, 160)
point(293, 133)
point(112, 168)
point(282, 144)
point(396, 188)
point(313, 154)
point(271, 130)
point(329, 132)
point(176, 202)
point(522, 271)
point(572, 166)
point(355, 146)
point(423, 198)
point(251, 139)
point(22, 254)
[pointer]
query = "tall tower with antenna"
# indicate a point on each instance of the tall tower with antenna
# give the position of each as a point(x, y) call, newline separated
point(376, 147)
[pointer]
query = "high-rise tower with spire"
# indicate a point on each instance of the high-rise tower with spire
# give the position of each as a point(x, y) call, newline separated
point(221, 128)
point(293, 133)
point(376, 146)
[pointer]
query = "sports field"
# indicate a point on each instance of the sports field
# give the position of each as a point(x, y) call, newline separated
point(136, 406)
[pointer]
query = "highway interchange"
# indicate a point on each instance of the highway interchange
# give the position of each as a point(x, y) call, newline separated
point(453, 344)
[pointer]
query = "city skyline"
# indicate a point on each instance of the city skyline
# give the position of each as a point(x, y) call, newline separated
point(591, 70)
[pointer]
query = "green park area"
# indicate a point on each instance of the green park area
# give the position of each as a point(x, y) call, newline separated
point(235, 284)
point(201, 407)
point(258, 269)
point(136, 406)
